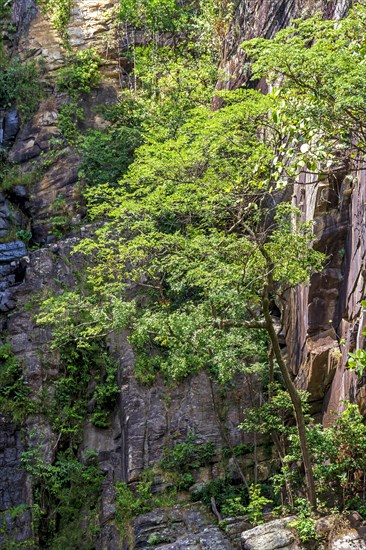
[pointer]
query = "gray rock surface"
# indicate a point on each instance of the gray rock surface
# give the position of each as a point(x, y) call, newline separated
point(11, 126)
point(185, 527)
point(270, 536)
point(11, 252)
point(349, 541)
point(14, 488)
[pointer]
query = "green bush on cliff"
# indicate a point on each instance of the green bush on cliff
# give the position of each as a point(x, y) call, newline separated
point(20, 87)
point(86, 376)
point(69, 116)
point(81, 73)
point(140, 500)
point(107, 154)
point(66, 498)
point(157, 15)
point(188, 455)
point(13, 388)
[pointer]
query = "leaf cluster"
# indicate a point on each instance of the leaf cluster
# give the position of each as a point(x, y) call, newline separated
point(20, 86)
point(338, 451)
point(66, 496)
point(13, 388)
point(81, 73)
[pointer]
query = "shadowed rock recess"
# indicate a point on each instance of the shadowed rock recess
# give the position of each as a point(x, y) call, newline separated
point(146, 419)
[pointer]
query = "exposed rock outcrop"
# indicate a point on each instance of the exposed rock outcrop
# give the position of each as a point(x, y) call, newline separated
point(328, 318)
point(15, 493)
point(179, 527)
point(270, 536)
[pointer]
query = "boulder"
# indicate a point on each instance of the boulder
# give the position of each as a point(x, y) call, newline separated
point(270, 536)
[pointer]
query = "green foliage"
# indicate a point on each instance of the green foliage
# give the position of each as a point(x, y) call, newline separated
point(81, 73)
point(188, 455)
point(60, 221)
point(357, 361)
point(69, 116)
point(105, 396)
point(225, 493)
point(66, 495)
point(13, 387)
point(337, 451)
point(24, 235)
point(156, 15)
point(5, 6)
point(305, 524)
point(132, 502)
point(20, 85)
point(257, 503)
point(321, 68)
point(59, 12)
point(235, 506)
point(11, 175)
point(274, 414)
point(87, 374)
point(107, 154)
point(182, 458)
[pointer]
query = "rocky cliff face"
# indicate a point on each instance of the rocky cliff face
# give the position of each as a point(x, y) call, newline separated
point(328, 317)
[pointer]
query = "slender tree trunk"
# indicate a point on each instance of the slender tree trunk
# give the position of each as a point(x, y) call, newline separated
point(296, 401)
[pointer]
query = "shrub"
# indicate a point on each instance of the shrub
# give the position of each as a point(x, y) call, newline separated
point(188, 455)
point(68, 118)
point(13, 388)
point(66, 496)
point(156, 15)
point(107, 155)
point(305, 524)
point(61, 217)
point(81, 73)
point(20, 86)
point(12, 175)
point(224, 491)
point(130, 503)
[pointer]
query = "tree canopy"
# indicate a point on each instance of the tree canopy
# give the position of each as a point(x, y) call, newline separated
point(195, 244)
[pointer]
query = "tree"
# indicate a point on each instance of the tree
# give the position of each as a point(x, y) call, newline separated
point(319, 69)
point(195, 226)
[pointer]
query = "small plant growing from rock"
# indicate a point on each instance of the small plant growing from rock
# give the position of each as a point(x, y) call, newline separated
point(305, 524)
point(357, 361)
point(81, 73)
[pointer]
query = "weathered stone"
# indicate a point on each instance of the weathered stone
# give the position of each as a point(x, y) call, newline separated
point(350, 541)
point(14, 489)
point(328, 312)
point(10, 252)
point(11, 126)
point(270, 536)
point(233, 528)
point(180, 527)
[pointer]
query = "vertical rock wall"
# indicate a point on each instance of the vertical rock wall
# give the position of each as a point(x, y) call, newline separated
point(326, 318)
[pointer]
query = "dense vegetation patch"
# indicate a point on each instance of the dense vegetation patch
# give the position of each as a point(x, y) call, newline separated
point(20, 85)
point(187, 198)
point(13, 389)
point(66, 497)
